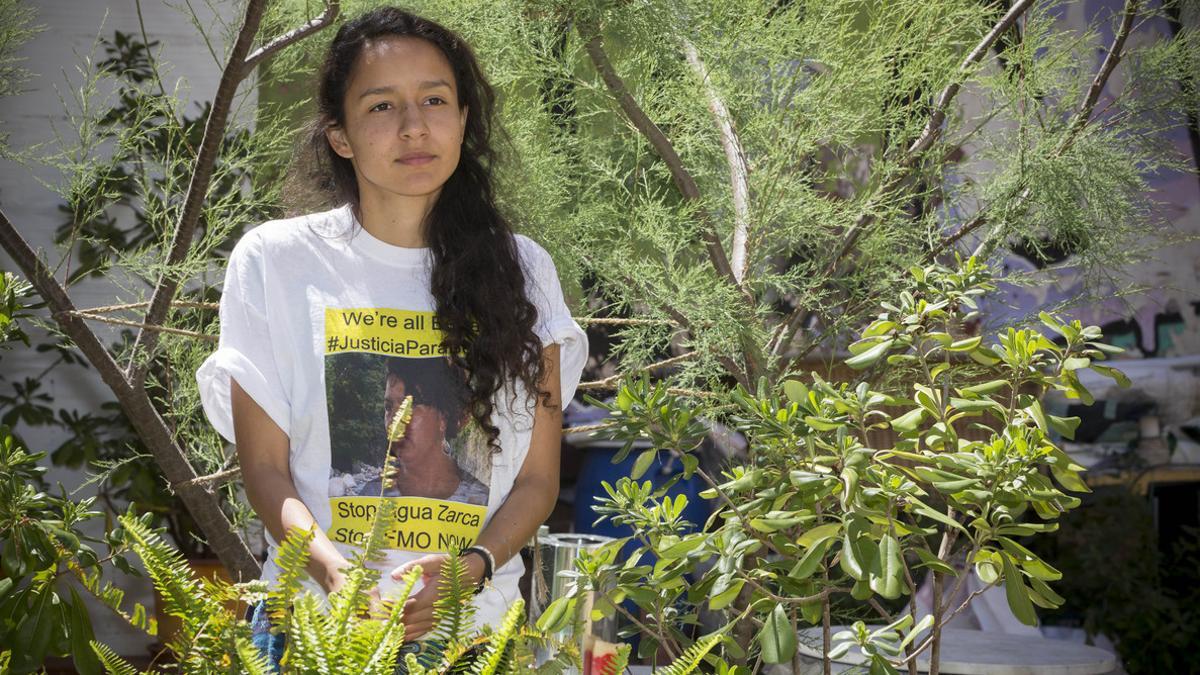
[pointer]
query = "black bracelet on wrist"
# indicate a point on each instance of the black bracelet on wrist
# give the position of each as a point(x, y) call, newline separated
point(489, 564)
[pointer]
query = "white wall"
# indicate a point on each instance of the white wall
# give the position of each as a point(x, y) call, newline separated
point(71, 29)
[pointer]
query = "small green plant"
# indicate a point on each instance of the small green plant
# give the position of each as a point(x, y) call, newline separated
point(817, 511)
point(348, 635)
point(42, 550)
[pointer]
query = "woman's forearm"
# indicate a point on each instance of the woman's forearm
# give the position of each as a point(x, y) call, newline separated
point(277, 503)
point(517, 520)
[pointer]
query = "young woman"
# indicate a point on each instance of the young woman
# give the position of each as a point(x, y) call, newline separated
point(415, 262)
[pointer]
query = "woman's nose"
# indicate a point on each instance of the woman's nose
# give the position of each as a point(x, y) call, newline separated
point(412, 122)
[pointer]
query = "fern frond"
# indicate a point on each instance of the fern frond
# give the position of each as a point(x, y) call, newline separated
point(305, 638)
point(113, 663)
point(384, 655)
point(352, 598)
point(252, 660)
point(175, 581)
point(498, 650)
point(292, 558)
point(385, 519)
point(454, 609)
point(412, 666)
point(691, 657)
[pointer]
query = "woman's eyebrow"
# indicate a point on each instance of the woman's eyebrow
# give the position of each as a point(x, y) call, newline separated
point(387, 89)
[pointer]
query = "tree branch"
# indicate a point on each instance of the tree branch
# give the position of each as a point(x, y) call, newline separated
point(1111, 59)
point(661, 144)
point(933, 129)
point(739, 171)
point(326, 17)
point(1078, 123)
point(611, 381)
point(214, 131)
point(146, 326)
point(201, 502)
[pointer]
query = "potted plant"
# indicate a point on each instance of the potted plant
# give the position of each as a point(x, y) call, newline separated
point(818, 512)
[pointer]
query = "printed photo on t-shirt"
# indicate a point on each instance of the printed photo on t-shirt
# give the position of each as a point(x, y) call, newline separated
point(438, 472)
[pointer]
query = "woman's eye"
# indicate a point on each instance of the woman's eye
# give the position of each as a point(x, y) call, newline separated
point(438, 99)
point(379, 106)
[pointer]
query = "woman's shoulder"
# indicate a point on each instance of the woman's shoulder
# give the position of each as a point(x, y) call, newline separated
point(533, 255)
point(285, 236)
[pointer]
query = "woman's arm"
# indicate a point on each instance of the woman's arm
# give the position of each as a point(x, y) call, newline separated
point(530, 502)
point(535, 490)
point(262, 449)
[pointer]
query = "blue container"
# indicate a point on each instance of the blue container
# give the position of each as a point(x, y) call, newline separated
point(598, 467)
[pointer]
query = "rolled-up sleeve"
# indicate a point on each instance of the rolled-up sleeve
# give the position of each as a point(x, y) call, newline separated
point(554, 323)
point(245, 352)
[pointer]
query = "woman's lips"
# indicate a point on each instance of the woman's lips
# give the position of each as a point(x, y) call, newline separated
point(416, 160)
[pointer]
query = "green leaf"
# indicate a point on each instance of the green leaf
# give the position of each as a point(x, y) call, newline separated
point(849, 485)
point(819, 534)
point(812, 560)
point(909, 421)
point(812, 611)
point(766, 524)
point(965, 345)
point(871, 355)
point(986, 388)
point(643, 462)
point(976, 404)
point(933, 562)
point(866, 343)
point(1076, 362)
point(777, 638)
point(930, 512)
point(1065, 426)
point(923, 625)
point(986, 567)
point(878, 328)
point(80, 633)
point(557, 615)
point(1035, 410)
point(1018, 595)
point(853, 562)
point(683, 547)
point(721, 600)
point(822, 423)
point(890, 566)
point(984, 356)
point(796, 391)
point(1043, 589)
point(1069, 479)
point(1117, 376)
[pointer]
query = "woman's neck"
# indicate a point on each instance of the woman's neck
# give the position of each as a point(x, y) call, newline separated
point(395, 219)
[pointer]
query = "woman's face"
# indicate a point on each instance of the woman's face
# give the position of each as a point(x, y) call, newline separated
point(404, 127)
point(427, 429)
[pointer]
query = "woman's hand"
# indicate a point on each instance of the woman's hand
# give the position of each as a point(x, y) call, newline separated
point(418, 610)
point(335, 580)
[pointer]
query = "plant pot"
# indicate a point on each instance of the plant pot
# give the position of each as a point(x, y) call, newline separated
point(205, 568)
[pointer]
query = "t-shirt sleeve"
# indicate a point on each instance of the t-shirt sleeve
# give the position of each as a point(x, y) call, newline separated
point(245, 351)
point(554, 323)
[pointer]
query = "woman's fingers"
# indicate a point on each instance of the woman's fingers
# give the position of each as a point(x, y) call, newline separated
point(430, 565)
point(418, 621)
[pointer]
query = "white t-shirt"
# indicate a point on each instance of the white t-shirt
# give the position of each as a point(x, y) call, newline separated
point(328, 328)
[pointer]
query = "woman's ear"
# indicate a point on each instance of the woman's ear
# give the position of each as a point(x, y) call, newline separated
point(336, 135)
point(462, 123)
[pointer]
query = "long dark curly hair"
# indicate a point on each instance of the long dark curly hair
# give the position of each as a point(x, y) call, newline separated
point(476, 280)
